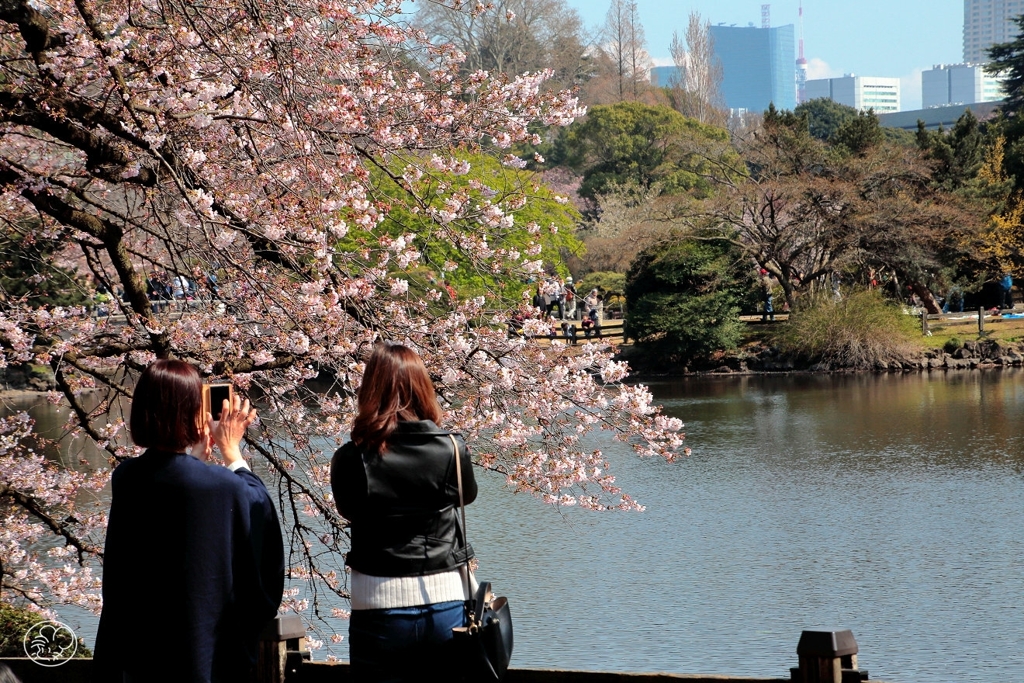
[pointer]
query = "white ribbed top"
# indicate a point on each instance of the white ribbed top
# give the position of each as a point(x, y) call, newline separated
point(390, 592)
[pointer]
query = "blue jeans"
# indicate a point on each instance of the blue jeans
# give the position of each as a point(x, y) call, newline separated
point(404, 644)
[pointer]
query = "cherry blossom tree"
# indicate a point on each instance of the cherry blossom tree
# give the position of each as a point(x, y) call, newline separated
point(241, 146)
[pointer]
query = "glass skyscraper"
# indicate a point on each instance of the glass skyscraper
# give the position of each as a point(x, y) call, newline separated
point(758, 66)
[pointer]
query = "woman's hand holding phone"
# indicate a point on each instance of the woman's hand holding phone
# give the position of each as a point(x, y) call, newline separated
point(235, 418)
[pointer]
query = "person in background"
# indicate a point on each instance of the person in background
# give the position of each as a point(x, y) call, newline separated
point(766, 285)
point(1006, 285)
point(193, 566)
point(570, 299)
point(396, 484)
point(591, 303)
point(554, 296)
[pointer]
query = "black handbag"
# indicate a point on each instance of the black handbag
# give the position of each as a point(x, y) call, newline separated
point(485, 642)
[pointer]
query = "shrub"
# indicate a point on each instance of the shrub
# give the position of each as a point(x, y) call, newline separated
point(860, 331)
point(682, 300)
point(15, 623)
point(953, 344)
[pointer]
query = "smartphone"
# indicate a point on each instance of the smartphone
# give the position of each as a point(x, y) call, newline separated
point(214, 395)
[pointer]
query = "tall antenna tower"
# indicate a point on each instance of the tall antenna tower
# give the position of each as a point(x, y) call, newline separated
point(766, 16)
point(801, 64)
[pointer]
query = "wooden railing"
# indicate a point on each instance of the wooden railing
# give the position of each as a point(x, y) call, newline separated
point(823, 657)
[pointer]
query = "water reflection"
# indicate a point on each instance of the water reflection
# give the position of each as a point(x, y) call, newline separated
point(51, 424)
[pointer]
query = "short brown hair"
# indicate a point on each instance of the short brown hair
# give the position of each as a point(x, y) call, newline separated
point(396, 386)
point(167, 406)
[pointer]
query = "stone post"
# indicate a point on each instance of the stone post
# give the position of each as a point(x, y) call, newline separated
point(828, 656)
point(282, 647)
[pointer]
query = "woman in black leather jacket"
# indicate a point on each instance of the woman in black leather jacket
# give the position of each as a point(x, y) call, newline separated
point(395, 482)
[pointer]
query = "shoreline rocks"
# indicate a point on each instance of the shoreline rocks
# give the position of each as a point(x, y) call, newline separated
point(981, 354)
point(18, 378)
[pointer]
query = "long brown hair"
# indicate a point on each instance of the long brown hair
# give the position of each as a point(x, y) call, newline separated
point(396, 386)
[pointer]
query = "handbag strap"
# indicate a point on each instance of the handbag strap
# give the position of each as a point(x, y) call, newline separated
point(462, 506)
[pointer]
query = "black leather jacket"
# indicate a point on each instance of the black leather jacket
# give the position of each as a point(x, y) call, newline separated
point(404, 505)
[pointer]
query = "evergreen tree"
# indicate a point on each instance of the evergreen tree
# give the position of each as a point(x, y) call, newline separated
point(959, 153)
point(825, 117)
point(29, 275)
point(859, 134)
point(1007, 60)
point(682, 299)
point(630, 142)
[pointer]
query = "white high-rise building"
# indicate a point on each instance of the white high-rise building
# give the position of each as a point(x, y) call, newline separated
point(958, 84)
point(860, 92)
point(986, 23)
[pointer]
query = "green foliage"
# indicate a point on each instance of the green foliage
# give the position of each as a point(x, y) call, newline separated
point(488, 181)
point(859, 134)
point(953, 344)
point(776, 118)
point(682, 299)
point(860, 331)
point(959, 154)
point(825, 117)
point(27, 273)
point(15, 623)
point(1007, 59)
point(630, 142)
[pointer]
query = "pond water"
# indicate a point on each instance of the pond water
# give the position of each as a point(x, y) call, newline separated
point(889, 505)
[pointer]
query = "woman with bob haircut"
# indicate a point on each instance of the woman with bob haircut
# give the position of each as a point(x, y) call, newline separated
point(193, 566)
point(396, 483)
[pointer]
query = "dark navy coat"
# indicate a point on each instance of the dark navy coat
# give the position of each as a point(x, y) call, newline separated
point(193, 570)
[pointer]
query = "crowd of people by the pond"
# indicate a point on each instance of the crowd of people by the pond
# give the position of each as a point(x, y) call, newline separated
point(166, 291)
point(567, 313)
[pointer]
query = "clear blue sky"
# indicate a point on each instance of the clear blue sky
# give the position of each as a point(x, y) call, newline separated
point(896, 38)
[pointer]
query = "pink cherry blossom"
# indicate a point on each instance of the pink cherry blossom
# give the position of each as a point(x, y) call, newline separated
point(240, 146)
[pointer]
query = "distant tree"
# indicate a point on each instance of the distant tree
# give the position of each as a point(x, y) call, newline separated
point(543, 219)
point(999, 246)
point(627, 219)
point(970, 160)
point(29, 274)
point(900, 222)
point(825, 116)
point(1007, 60)
point(958, 153)
point(682, 299)
point(635, 143)
point(859, 134)
point(514, 37)
point(697, 91)
point(624, 44)
point(806, 212)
